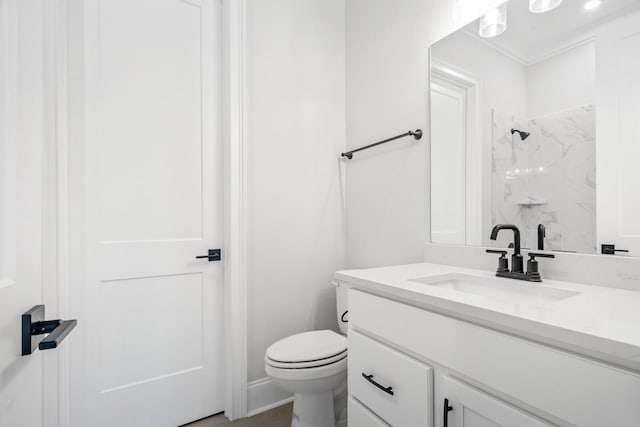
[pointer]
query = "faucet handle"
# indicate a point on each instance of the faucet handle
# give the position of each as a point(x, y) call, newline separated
point(533, 255)
point(532, 265)
point(497, 251)
point(503, 262)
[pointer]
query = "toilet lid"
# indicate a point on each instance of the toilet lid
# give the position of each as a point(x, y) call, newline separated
point(307, 347)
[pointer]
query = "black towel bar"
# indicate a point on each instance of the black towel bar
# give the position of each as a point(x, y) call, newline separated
point(417, 134)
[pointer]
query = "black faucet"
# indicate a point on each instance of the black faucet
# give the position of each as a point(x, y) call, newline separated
point(542, 233)
point(516, 259)
point(517, 270)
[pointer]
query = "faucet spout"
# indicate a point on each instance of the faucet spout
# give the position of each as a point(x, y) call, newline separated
point(516, 235)
point(542, 233)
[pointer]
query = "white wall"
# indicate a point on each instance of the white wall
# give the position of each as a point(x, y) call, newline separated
point(564, 81)
point(296, 131)
point(387, 94)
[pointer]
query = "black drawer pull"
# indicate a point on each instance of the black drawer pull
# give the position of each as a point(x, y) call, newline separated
point(388, 390)
point(445, 413)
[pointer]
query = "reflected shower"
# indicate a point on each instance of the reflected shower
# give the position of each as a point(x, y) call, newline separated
point(523, 135)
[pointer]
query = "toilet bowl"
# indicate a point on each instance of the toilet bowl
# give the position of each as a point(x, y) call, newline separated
point(313, 366)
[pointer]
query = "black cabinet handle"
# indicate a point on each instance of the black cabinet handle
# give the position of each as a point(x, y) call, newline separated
point(388, 390)
point(445, 413)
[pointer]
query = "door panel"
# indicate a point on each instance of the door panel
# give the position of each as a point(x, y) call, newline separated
point(153, 202)
point(151, 113)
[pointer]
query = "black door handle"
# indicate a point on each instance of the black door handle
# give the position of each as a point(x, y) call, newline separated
point(213, 255)
point(609, 249)
point(445, 413)
point(388, 390)
point(34, 325)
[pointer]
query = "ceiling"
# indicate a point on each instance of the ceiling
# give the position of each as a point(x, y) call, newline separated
point(532, 37)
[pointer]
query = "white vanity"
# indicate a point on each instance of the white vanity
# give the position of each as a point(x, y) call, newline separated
point(519, 120)
point(495, 351)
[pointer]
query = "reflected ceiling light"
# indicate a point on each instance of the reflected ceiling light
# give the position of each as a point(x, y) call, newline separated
point(541, 6)
point(494, 22)
point(592, 4)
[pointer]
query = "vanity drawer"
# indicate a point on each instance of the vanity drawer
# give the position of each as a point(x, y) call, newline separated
point(572, 388)
point(394, 386)
point(359, 416)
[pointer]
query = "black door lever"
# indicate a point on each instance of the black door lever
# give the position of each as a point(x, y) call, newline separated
point(34, 326)
point(213, 255)
point(609, 249)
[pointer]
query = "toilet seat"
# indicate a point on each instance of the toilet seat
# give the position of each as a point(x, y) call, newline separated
point(324, 372)
point(307, 364)
point(307, 350)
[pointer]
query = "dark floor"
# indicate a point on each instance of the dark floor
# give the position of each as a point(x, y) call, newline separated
point(276, 417)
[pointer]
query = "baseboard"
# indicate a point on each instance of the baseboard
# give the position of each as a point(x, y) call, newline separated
point(263, 395)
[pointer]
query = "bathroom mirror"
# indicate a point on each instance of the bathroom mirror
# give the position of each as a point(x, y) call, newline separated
point(535, 121)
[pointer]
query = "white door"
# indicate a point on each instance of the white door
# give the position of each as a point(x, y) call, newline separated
point(23, 283)
point(150, 164)
point(448, 164)
point(618, 134)
point(470, 407)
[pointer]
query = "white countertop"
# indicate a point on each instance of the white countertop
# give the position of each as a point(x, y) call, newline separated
point(600, 322)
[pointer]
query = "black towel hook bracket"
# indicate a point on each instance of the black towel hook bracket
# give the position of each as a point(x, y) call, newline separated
point(417, 134)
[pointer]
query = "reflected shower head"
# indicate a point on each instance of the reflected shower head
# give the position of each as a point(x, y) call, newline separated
point(523, 135)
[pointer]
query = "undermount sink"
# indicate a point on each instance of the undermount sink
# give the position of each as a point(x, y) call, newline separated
point(499, 289)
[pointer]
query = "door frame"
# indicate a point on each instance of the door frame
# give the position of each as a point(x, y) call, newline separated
point(57, 230)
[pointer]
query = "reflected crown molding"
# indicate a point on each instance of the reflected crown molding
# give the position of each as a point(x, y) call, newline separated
point(515, 56)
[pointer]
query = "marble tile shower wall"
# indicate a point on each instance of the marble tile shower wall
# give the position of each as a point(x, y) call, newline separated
point(549, 178)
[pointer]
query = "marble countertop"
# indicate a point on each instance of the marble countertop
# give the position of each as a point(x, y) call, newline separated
point(600, 322)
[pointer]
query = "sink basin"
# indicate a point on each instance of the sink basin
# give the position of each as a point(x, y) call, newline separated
point(499, 289)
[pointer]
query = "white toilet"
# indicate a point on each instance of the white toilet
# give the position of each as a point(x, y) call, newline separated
point(313, 366)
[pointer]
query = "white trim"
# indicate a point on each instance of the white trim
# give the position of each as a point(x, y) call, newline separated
point(235, 207)
point(263, 395)
point(474, 139)
point(62, 160)
point(56, 202)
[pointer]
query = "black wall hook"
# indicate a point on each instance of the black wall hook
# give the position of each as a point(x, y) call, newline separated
point(34, 327)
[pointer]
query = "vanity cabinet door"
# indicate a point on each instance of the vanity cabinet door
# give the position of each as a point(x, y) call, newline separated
point(470, 407)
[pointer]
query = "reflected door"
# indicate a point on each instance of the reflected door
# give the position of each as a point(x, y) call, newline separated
point(150, 164)
point(448, 160)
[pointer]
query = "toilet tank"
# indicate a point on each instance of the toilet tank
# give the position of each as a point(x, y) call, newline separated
point(342, 307)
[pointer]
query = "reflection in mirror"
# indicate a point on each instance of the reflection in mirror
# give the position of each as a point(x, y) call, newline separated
point(521, 122)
